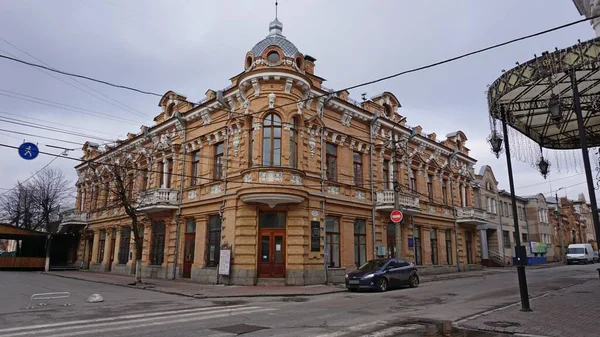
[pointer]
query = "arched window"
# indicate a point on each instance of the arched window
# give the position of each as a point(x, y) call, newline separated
point(271, 153)
point(293, 143)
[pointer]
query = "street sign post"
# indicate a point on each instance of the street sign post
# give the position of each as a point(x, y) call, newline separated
point(396, 216)
point(28, 151)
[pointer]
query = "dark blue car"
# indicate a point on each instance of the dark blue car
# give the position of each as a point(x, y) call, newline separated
point(380, 274)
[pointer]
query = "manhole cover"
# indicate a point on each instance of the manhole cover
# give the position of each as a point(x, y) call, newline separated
point(241, 328)
point(294, 299)
point(502, 324)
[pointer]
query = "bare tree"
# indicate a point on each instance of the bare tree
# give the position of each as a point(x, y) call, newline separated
point(35, 204)
point(121, 179)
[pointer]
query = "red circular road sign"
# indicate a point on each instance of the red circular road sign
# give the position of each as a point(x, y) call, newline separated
point(396, 216)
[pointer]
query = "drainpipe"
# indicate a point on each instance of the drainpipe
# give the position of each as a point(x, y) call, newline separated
point(180, 197)
point(372, 183)
point(454, 213)
point(323, 203)
point(222, 208)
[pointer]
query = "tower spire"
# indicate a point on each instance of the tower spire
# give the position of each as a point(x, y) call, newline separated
point(276, 9)
point(275, 27)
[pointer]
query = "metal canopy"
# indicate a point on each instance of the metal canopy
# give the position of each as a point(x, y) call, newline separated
point(524, 93)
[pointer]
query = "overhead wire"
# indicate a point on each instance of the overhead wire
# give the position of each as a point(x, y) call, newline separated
point(31, 177)
point(132, 110)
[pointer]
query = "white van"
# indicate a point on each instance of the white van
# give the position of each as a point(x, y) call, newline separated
point(580, 253)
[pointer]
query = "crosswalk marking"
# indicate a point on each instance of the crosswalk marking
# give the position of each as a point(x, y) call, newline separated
point(386, 331)
point(138, 321)
point(108, 319)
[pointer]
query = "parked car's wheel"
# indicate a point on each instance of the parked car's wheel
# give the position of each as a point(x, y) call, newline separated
point(382, 285)
point(413, 281)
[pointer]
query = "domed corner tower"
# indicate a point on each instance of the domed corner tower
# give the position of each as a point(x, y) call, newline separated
point(276, 51)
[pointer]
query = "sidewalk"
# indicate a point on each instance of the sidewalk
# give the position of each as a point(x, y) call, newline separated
point(197, 290)
point(568, 312)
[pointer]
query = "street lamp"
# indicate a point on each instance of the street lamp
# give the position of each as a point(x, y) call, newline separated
point(554, 108)
point(495, 141)
point(544, 166)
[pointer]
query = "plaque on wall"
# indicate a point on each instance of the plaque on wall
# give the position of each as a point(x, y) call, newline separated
point(224, 261)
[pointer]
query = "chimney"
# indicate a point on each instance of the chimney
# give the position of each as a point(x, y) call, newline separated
point(309, 64)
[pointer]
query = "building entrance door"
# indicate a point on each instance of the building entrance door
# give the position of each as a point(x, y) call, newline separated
point(271, 261)
point(188, 254)
point(271, 245)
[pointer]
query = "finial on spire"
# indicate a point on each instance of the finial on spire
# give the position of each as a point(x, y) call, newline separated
point(276, 9)
point(275, 27)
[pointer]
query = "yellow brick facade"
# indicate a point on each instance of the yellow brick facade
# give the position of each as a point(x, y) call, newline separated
point(296, 180)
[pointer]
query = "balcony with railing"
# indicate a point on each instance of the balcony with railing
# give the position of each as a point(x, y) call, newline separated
point(75, 218)
point(159, 199)
point(409, 202)
point(471, 216)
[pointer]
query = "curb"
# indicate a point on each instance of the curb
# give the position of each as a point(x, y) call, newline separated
point(153, 288)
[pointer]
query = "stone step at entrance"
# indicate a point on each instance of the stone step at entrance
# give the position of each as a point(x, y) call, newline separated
point(271, 282)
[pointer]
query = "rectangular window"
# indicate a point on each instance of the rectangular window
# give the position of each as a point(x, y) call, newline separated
point(190, 226)
point(417, 245)
point(124, 245)
point(101, 244)
point(331, 161)
point(106, 192)
point(161, 173)
point(213, 241)
point(157, 243)
point(506, 239)
point(434, 246)
point(315, 236)
point(144, 182)
point(218, 172)
point(360, 242)
point(169, 172)
point(493, 205)
point(430, 187)
point(445, 192)
point(412, 180)
point(386, 174)
point(251, 143)
point(130, 185)
point(332, 241)
point(195, 168)
point(523, 237)
point(357, 165)
point(449, 246)
point(510, 211)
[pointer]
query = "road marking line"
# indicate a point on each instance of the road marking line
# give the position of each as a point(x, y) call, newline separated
point(107, 319)
point(350, 329)
point(394, 330)
point(65, 328)
point(128, 327)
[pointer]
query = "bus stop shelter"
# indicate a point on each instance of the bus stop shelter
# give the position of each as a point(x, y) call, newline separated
point(24, 249)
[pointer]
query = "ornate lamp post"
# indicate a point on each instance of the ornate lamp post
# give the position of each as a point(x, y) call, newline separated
point(496, 143)
point(543, 166)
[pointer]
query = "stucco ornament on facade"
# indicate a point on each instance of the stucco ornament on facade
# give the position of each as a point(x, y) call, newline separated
point(272, 97)
point(215, 189)
point(311, 145)
point(360, 195)
point(333, 190)
point(296, 179)
point(270, 176)
point(247, 177)
point(300, 105)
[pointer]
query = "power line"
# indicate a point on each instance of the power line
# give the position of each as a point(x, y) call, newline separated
point(545, 182)
point(80, 76)
point(31, 177)
point(38, 136)
point(62, 106)
point(77, 81)
point(52, 129)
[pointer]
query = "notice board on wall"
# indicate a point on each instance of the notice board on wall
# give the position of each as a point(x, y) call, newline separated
point(224, 261)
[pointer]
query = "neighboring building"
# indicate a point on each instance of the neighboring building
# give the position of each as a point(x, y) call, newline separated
point(500, 230)
point(541, 228)
point(570, 228)
point(584, 210)
point(589, 8)
point(289, 180)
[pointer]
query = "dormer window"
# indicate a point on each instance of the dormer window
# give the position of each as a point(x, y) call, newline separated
point(273, 56)
point(170, 109)
point(387, 110)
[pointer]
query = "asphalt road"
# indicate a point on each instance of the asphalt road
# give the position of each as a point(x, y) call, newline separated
point(131, 312)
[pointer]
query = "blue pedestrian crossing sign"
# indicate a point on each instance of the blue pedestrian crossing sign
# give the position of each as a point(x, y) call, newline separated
point(28, 151)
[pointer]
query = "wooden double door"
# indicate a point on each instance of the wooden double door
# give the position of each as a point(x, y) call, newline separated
point(271, 258)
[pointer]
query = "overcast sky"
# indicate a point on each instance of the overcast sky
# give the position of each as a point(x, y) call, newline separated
point(191, 46)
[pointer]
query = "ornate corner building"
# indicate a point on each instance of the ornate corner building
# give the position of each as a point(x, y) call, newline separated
point(295, 180)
